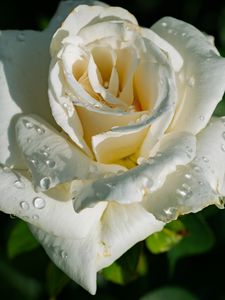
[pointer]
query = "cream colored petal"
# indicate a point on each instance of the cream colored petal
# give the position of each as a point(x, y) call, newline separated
point(96, 80)
point(51, 158)
point(75, 257)
point(122, 226)
point(83, 16)
point(131, 186)
point(119, 229)
point(63, 109)
point(24, 61)
point(99, 122)
point(194, 186)
point(165, 97)
point(201, 79)
point(44, 210)
point(111, 146)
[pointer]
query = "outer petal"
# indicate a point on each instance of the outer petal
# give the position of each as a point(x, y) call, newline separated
point(85, 15)
point(119, 229)
point(122, 226)
point(131, 186)
point(44, 210)
point(197, 185)
point(201, 80)
point(24, 62)
point(76, 257)
point(51, 158)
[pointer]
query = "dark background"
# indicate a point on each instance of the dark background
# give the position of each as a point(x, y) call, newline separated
point(24, 277)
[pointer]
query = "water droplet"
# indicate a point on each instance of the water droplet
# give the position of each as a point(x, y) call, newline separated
point(183, 33)
point(21, 36)
point(169, 214)
point(45, 183)
point(28, 124)
point(29, 140)
point(181, 192)
point(205, 159)
point(63, 254)
point(24, 205)
point(35, 217)
point(96, 105)
point(34, 162)
point(197, 169)
point(45, 153)
point(201, 118)
point(164, 24)
point(50, 163)
point(39, 203)
point(19, 184)
point(40, 130)
point(170, 31)
point(223, 147)
point(188, 176)
point(191, 81)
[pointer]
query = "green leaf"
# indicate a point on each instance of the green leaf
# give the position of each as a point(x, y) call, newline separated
point(128, 268)
point(20, 240)
point(199, 239)
point(169, 293)
point(166, 239)
point(56, 280)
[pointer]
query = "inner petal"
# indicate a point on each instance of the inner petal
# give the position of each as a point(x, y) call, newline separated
point(127, 62)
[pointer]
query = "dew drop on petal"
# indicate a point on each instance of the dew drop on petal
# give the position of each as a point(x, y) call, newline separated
point(63, 254)
point(164, 24)
point(201, 118)
point(188, 175)
point(205, 159)
point(24, 205)
point(18, 184)
point(28, 124)
point(40, 130)
point(223, 147)
point(39, 202)
point(45, 183)
point(50, 163)
point(35, 217)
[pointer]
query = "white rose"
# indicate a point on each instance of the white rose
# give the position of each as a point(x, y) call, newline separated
point(131, 150)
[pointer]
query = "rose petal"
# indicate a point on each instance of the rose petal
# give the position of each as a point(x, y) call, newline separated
point(63, 109)
point(84, 15)
point(24, 61)
point(120, 228)
point(131, 186)
point(201, 80)
point(44, 210)
point(196, 185)
point(75, 257)
point(51, 158)
point(111, 146)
